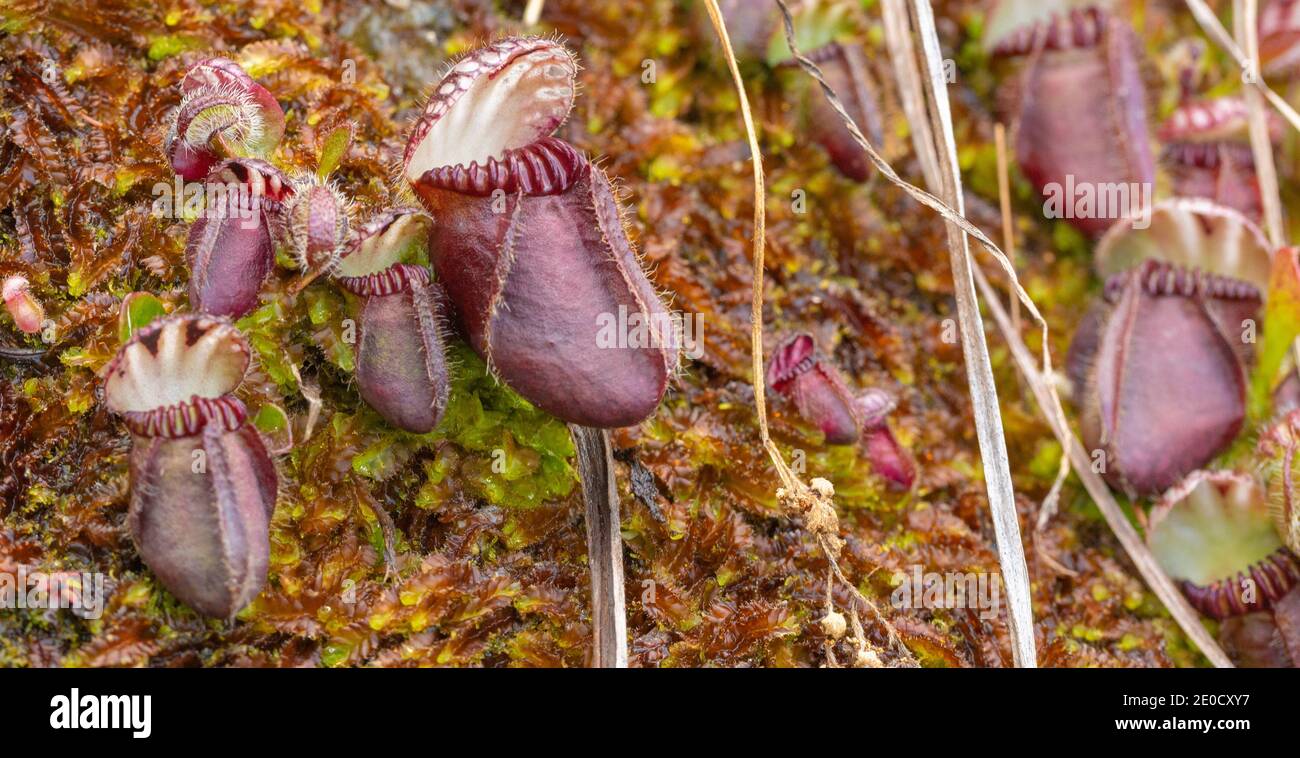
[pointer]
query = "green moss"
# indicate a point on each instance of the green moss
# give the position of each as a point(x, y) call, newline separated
point(510, 453)
point(267, 329)
point(168, 45)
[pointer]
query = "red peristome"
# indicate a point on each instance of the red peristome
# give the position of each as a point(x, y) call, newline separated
point(188, 417)
point(1082, 117)
point(1271, 579)
point(1208, 153)
point(1223, 172)
point(548, 166)
point(230, 249)
point(1076, 28)
point(798, 373)
point(1166, 389)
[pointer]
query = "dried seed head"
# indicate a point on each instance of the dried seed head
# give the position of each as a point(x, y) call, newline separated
point(833, 625)
point(530, 242)
point(1212, 533)
point(223, 114)
point(797, 373)
point(318, 217)
point(1165, 389)
point(27, 313)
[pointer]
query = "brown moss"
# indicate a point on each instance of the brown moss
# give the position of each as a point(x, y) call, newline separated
point(486, 572)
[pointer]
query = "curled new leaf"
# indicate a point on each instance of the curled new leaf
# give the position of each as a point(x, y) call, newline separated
point(223, 114)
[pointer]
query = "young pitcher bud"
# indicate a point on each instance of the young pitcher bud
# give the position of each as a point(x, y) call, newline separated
point(887, 457)
point(798, 373)
point(223, 114)
point(26, 310)
point(318, 220)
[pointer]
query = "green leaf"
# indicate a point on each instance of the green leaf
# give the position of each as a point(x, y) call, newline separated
point(139, 309)
point(271, 419)
point(333, 149)
point(1281, 327)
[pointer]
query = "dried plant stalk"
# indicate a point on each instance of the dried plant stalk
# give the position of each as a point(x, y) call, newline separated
point(595, 456)
point(533, 12)
point(1215, 31)
point(979, 371)
point(1245, 25)
point(1009, 234)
